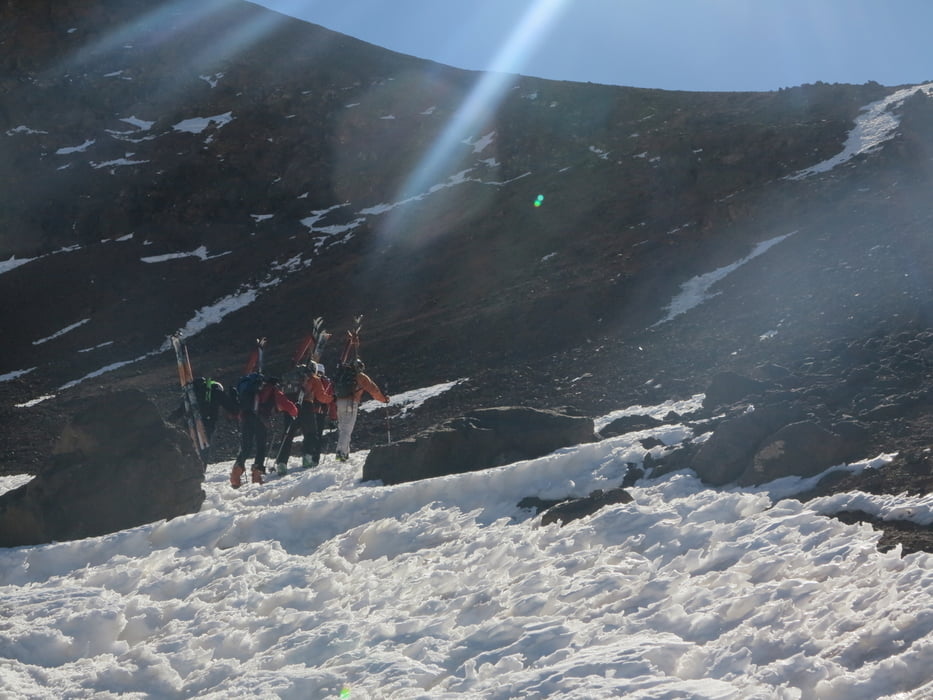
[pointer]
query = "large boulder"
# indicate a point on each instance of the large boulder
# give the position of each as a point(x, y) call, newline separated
point(480, 439)
point(116, 465)
point(726, 388)
point(732, 446)
point(799, 449)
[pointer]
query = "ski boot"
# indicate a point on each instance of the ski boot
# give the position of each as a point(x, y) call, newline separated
point(281, 468)
point(235, 475)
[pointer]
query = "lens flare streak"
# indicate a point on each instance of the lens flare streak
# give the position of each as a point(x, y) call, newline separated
point(479, 104)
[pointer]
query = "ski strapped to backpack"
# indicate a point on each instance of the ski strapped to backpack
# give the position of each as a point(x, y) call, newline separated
point(313, 344)
point(345, 375)
point(189, 398)
point(308, 351)
point(254, 362)
point(351, 348)
point(246, 391)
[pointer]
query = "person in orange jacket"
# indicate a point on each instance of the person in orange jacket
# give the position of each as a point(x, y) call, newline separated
point(254, 429)
point(317, 407)
point(348, 406)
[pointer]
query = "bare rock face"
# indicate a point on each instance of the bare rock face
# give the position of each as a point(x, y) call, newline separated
point(478, 440)
point(577, 508)
point(799, 449)
point(116, 465)
point(725, 456)
point(728, 387)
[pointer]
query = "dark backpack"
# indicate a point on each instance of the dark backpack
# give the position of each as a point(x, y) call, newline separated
point(345, 381)
point(204, 389)
point(201, 391)
point(246, 390)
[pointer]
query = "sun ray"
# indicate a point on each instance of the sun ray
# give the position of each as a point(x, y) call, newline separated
point(481, 102)
point(151, 28)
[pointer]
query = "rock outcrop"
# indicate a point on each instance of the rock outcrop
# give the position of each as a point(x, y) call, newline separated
point(116, 465)
point(478, 440)
point(834, 408)
point(569, 509)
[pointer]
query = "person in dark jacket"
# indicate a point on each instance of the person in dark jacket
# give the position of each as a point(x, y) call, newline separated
point(211, 397)
point(254, 429)
point(316, 409)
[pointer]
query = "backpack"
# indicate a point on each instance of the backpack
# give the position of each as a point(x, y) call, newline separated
point(345, 381)
point(329, 408)
point(201, 391)
point(246, 390)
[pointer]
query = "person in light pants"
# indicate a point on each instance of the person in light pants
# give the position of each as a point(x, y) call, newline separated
point(348, 407)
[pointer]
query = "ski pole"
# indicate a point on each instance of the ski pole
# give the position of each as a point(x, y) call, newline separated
point(388, 430)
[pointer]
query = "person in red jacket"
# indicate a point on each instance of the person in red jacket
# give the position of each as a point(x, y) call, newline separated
point(317, 407)
point(254, 430)
point(348, 404)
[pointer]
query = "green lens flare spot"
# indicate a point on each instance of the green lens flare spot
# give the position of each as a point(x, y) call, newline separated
point(539, 200)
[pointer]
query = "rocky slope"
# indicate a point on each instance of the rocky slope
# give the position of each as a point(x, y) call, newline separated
point(164, 166)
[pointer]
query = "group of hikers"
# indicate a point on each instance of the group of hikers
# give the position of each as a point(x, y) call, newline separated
point(309, 398)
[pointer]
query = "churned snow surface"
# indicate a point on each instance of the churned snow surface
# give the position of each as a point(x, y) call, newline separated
point(315, 585)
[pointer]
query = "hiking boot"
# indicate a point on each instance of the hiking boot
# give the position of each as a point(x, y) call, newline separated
point(235, 474)
point(342, 456)
point(281, 468)
point(257, 476)
point(307, 461)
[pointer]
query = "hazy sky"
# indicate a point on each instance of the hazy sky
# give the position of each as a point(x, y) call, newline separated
point(670, 44)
